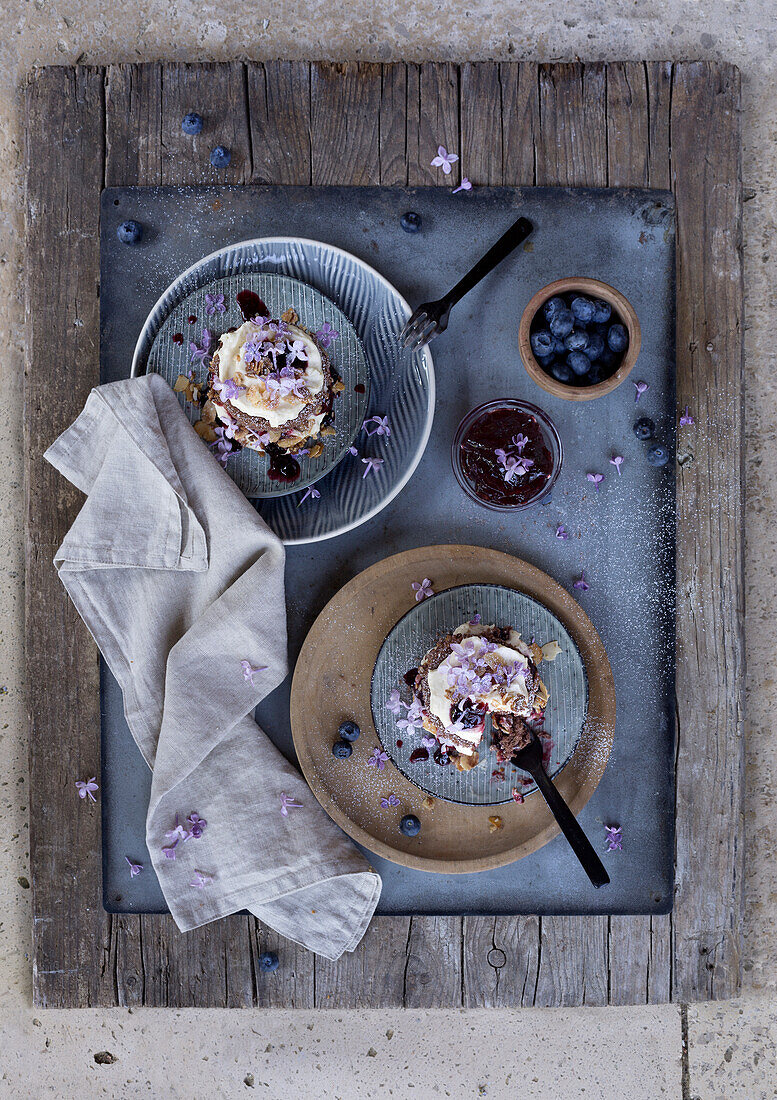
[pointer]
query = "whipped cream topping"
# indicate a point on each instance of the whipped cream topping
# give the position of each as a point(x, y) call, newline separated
point(264, 397)
point(490, 674)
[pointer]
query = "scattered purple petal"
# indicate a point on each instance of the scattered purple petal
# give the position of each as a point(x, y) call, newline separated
point(429, 742)
point(381, 426)
point(444, 159)
point(561, 532)
point(214, 303)
point(177, 832)
point(617, 462)
point(686, 419)
point(196, 826)
point(200, 352)
point(595, 479)
point(288, 803)
point(228, 389)
point(169, 852)
point(475, 620)
point(640, 387)
point(465, 185)
point(201, 880)
point(353, 451)
point(371, 464)
point(310, 492)
point(614, 838)
point(519, 441)
point(394, 702)
point(326, 334)
point(378, 760)
point(135, 868)
point(249, 671)
point(422, 590)
point(392, 800)
point(581, 584)
point(86, 788)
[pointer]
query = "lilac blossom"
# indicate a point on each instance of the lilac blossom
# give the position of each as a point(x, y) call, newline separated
point(614, 838)
point(640, 387)
point(214, 303)
point(378, 760)
point(200, 352)
point(381, 426)
point(353, 451)
point(169, 852)
point(519, 442)
point(135, 868)
point(296, 350)
point(561, 532)
point(581, 584)
point(475, 620)
point(617, 461)
point(201, 880)
point(326, 334)
point(422, 590)
point(686, 419)
point(394, 703)
point(465, 185)
point(392, 800)
point(413, 719)
point(178, 832)
point(287, 804)
point(196, 826)
point(371, 464)
point(87, 788)
point(310, 492)
point(249, 671)
point(429, 742)
point(227, 388)
point(444, 159)
point(595, 479)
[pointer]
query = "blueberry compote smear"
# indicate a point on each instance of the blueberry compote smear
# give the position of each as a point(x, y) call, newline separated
point(251, 305)
point(283, 466)
point(482, 469)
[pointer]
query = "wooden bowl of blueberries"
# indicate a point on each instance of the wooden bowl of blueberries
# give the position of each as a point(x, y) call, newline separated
point(579, 338)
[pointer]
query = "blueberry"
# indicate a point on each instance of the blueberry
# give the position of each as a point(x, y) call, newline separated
point(558, 346)
point(644, 428)
point(268, 961)
point(129, 232)
point(617, 338)
point(594, 376)
point(583, 309)
point(220, 157)
point(602, 311)
point(577, 340)
point(192, 124)
point(561, 371)
point(541, 342)
point(561, 323)
point(608, 359)
point(411, 222)
point(579, 362)
point(410, 825)
point(342, 750)
point(595, 346)
point(349, 731)
point(658, 455)
point(552, 306)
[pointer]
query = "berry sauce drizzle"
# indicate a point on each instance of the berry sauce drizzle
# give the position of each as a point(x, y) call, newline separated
point(283, 466)
point(251, 305)
point(482, 469)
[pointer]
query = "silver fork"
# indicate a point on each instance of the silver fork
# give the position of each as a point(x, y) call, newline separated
point(431, 318)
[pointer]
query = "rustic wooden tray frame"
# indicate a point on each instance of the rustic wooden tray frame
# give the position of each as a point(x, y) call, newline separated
point(622, 124)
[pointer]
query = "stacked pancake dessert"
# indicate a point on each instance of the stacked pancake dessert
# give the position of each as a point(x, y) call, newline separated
point(272, 384)
point(475, 671)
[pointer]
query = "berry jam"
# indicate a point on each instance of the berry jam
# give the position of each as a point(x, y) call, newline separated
point(177, 337)
point(283, 466)
point(251, 305)
point(410, 676)
point(419, 754)
point(482, 470)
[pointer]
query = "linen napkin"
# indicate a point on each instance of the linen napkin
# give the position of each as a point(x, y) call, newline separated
point(181, 584)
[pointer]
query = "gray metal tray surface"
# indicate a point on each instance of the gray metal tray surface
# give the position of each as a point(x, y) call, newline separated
point(621, 536)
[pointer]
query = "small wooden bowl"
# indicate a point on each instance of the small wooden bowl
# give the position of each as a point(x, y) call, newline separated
point(595, 289)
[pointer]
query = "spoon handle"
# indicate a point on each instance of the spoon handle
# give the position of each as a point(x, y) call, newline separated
point(569, 826)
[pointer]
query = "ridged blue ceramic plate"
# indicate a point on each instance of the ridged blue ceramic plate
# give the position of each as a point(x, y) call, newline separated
point(489, 783)
point(401, 385)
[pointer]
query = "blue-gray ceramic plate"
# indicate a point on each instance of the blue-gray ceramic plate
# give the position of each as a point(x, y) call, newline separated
point(489, 783)
point(400, 384)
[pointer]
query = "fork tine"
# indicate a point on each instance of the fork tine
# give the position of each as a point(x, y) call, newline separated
point(413, 326)
point(428, 333)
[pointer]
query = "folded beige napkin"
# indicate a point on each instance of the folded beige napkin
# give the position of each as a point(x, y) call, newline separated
point(180, 582)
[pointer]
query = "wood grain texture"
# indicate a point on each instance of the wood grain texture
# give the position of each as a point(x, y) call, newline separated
point(628, 124)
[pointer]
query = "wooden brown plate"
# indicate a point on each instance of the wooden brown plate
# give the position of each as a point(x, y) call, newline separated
point(332, 683)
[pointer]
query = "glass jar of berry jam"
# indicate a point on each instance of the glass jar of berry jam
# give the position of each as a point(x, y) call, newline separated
point(507, 454)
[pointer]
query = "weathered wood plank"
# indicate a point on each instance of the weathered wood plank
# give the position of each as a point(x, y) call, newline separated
point(126, 960)
point(501, 956)
point(393, 125)
point(520, 122)
point(372, 976)
point(292, 985)
point(279, 112)
point(573, 963)
point(64, 113)
point(572, 151)
point(706, 170)
point(628, 125)
point(433, 963)
point(432, 120)
point(345, 113)
point(481, 123)
point(133, 125)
